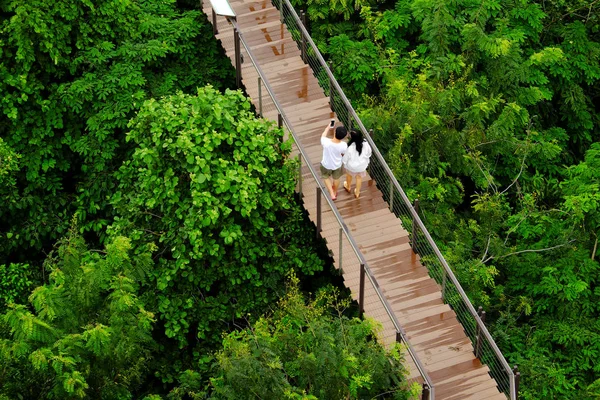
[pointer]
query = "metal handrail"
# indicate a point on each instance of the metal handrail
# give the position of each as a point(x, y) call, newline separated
point(399, 330)
point(414, 214)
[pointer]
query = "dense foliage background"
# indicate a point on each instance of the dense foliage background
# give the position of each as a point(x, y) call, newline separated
point(309, 350)
point(72, 74)
point(489, 112)
point(145, 211)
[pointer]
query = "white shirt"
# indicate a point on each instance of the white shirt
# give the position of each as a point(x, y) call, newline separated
point(355, 162)
point(332, 153)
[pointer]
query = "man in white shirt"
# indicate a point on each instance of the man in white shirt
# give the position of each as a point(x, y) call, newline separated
point(331, 164)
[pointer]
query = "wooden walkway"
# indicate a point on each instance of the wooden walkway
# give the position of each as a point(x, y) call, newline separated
point(431, 326)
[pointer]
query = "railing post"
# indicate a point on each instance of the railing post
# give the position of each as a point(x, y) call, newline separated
point(281, 11)
point(425, 393)
point(303, 44)
point(279, 121)
point(318, 211)
point(369, 167)
point(481, 314)
point(303, 19)
point(300, 175)
point(391, 195)
point(414, 226)
point(331, 97)
point(398, 337)
point(361, 292)
point(238, 64)
point(214, 22)
point(517, 381)
point(340, 256)
point(260, 97)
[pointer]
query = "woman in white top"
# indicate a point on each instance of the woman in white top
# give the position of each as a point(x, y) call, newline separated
point(356, 161)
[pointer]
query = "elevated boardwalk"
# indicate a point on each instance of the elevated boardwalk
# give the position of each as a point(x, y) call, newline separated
point(416, 299)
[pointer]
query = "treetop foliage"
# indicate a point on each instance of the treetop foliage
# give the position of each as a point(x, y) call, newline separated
point(488, 112)
point(72, 74)
point(204, 211)
point(212, 185)
point(89, 334)
point(309, 351)
point(102, 118)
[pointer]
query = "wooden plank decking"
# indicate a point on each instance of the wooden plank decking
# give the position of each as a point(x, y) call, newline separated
point(431, 326)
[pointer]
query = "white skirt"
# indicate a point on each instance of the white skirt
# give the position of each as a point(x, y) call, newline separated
point(355, 174)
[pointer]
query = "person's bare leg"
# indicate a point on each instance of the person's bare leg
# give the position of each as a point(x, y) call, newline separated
point(358, 185)
point(348, 183)
point(336, 184)
point(329, 187)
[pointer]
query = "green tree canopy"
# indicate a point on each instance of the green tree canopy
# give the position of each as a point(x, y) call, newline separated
point(487, 111)
point(309, 351)
point(72, 74)
point(89, 335)
point(212, 185)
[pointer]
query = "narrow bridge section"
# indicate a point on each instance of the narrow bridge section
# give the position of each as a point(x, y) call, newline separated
point(430, 326)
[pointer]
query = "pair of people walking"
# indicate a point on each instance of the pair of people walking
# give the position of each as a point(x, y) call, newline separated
point(338, 155)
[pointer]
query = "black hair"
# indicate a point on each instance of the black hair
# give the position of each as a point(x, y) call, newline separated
point(340, 132)
point(357, 138)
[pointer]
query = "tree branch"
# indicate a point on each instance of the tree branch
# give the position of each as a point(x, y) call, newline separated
point(487, 248)
point(529, 251)
point(490, 183)
point(490, 142)
point(518, 176)
point(591, 5)
point(513, 229)
point(149, 213)
point(384, 393)
point(589, 13)
point(522, 161)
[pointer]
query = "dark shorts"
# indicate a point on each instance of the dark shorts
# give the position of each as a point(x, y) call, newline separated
point(335, 174)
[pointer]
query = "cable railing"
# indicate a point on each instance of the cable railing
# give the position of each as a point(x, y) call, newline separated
point(472, 320)
point(348, 257)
